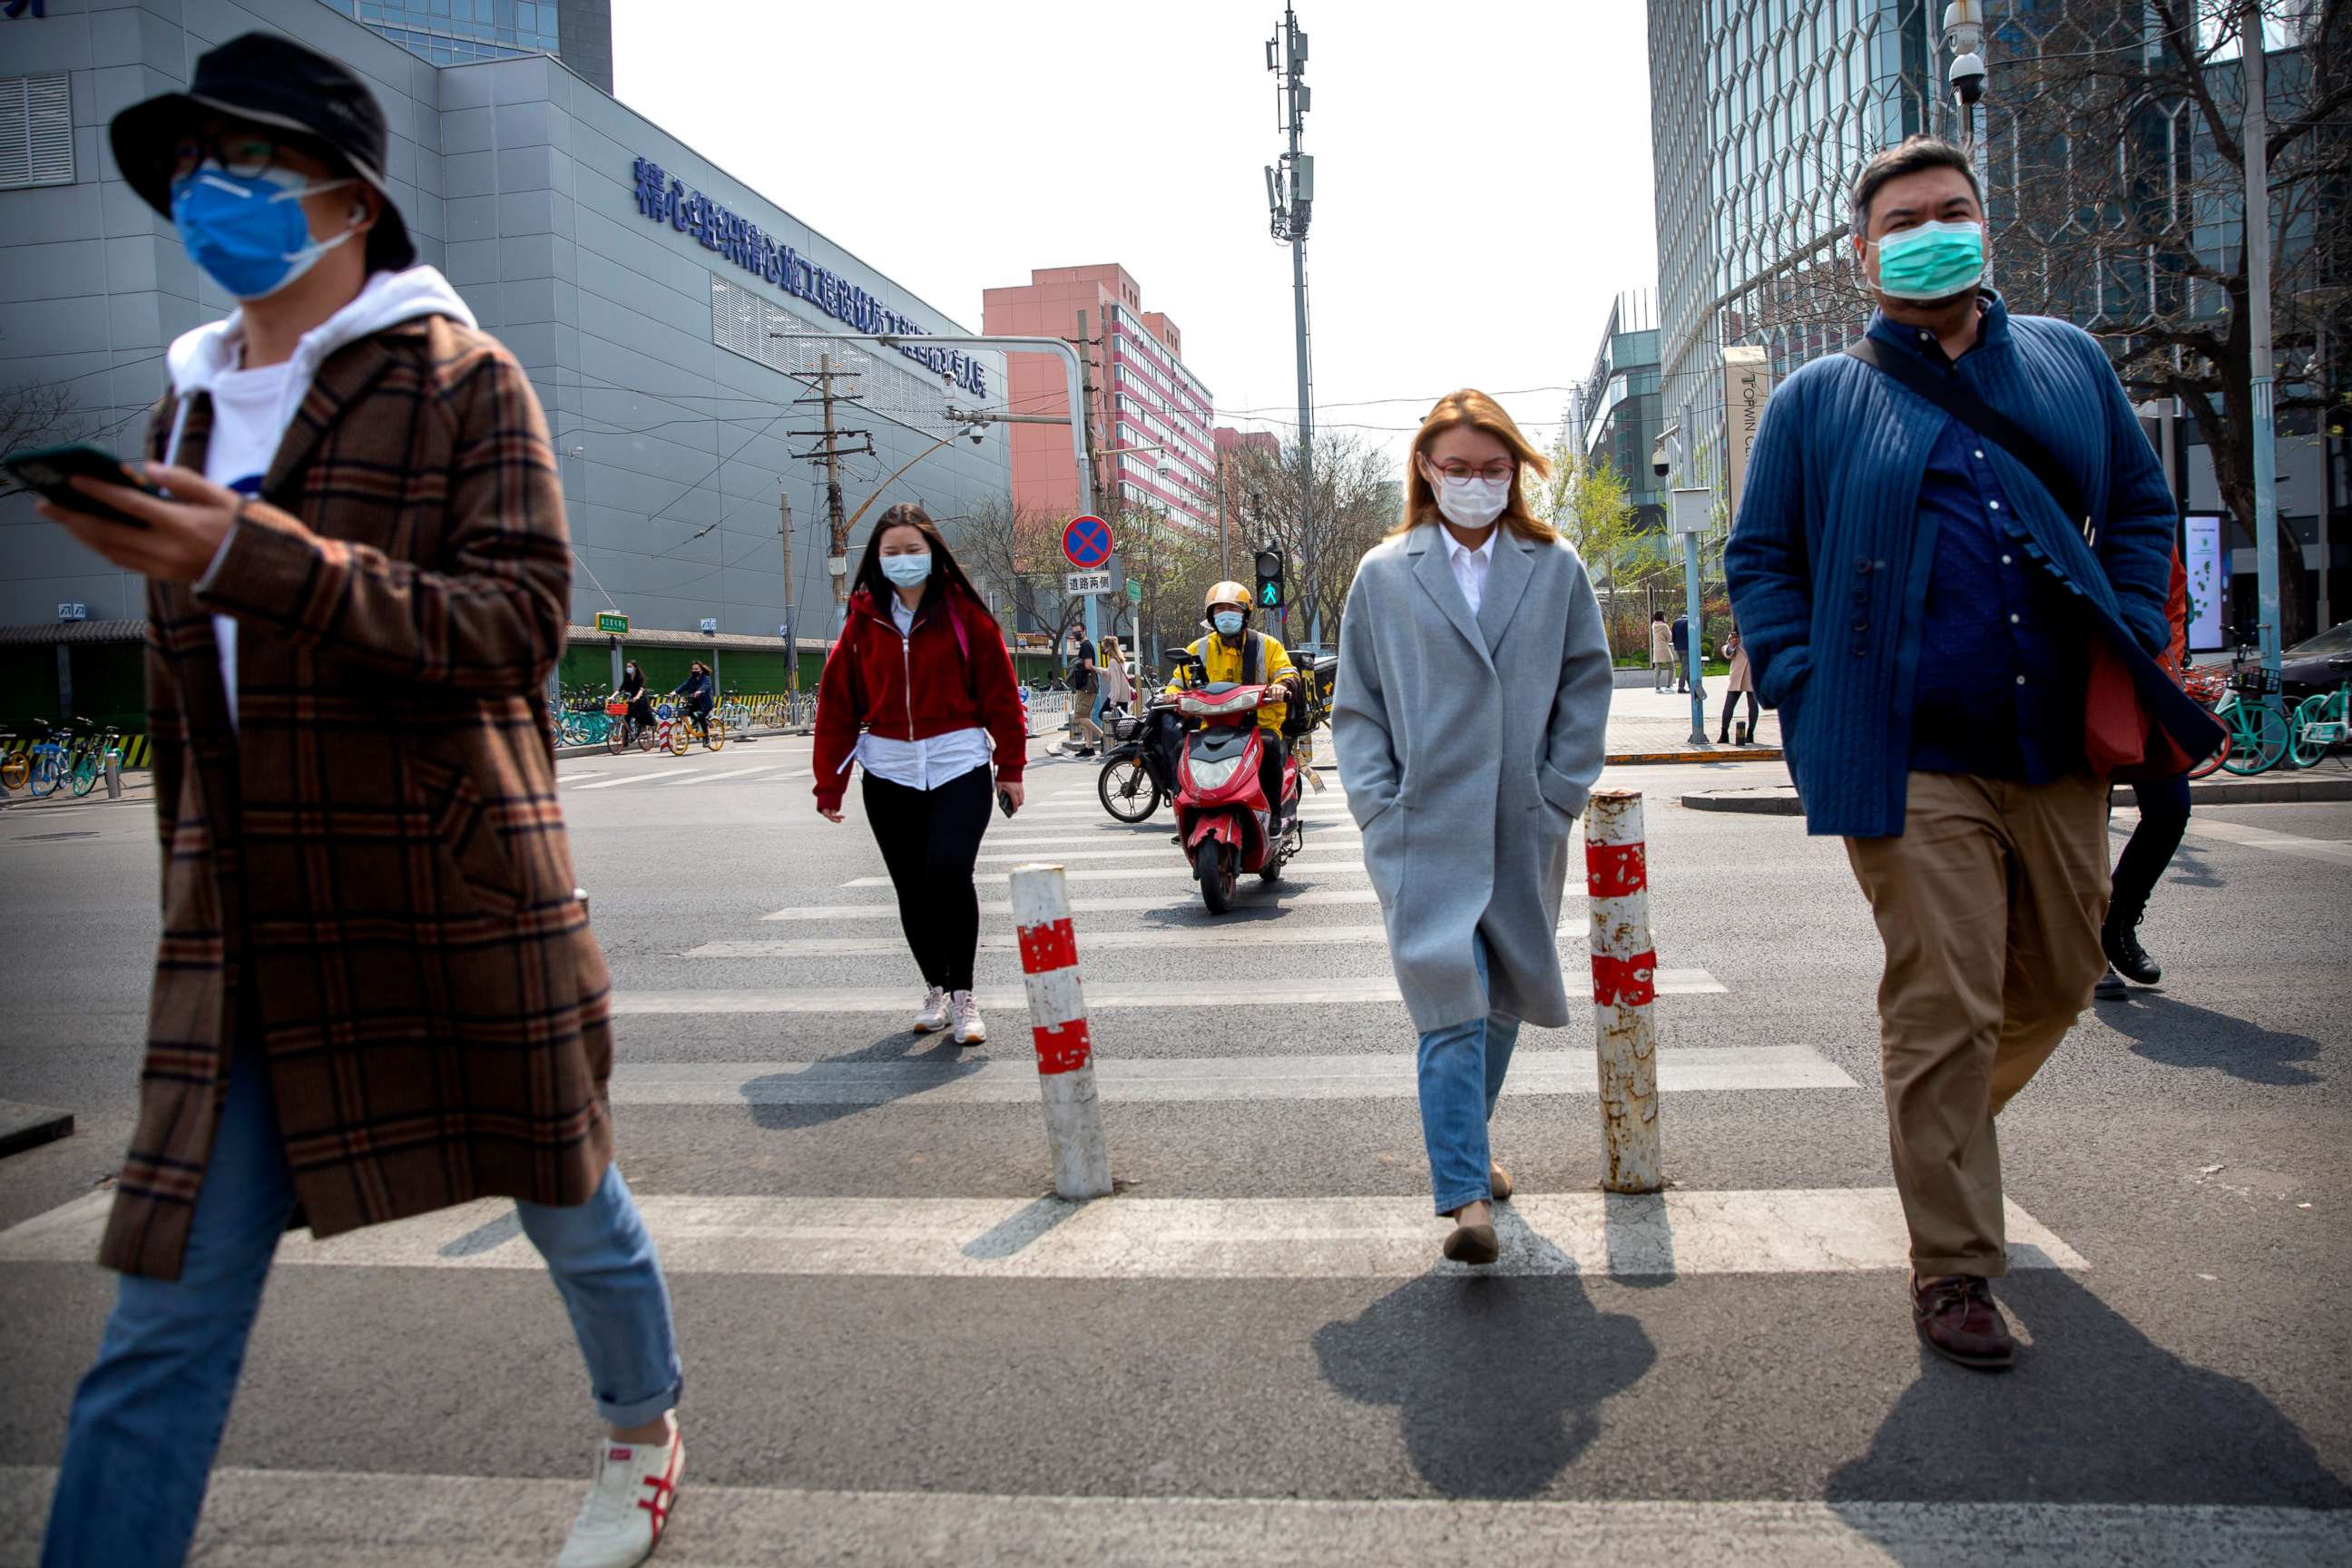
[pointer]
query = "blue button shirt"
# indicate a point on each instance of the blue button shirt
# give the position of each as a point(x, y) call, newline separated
point(1999, 686)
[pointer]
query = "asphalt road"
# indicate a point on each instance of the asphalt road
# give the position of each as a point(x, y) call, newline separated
point(898, 1353)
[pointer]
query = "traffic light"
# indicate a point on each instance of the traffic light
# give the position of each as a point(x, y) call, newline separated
point(1269, 579)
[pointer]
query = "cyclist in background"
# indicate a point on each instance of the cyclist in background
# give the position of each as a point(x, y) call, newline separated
point(696, 693)
point(633, 692)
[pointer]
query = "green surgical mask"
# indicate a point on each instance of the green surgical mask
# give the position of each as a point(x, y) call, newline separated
point(1933, 261)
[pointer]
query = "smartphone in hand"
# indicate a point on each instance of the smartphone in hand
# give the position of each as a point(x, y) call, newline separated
point(51, 470)
point(1004, 802)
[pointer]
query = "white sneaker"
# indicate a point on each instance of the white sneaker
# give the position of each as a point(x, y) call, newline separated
point(629, 1504)
point(934, 1014)
point(968, 1029)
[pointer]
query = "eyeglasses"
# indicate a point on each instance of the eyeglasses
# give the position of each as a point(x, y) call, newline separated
point(240, 153)
point(1461, 473)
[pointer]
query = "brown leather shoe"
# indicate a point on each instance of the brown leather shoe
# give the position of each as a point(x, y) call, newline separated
point(1473, 1244)
point(1957, 1318)
point(1498, 1183)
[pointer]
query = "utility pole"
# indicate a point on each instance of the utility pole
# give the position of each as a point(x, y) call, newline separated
point(2255, 130)
point(1290, 196)
point(1086, 439)
point(832, 452)
point(792, 616)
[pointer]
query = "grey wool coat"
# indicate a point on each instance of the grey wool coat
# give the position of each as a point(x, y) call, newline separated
point(1467, 745)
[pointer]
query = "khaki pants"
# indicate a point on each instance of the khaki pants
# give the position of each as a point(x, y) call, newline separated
point(1989, 905)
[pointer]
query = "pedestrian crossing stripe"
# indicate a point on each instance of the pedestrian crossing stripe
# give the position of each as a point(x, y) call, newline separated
point(1252, 894)
point(1012, 1079)
point(1209, 936)
point(1174, 871)
point(358, 1519)
point(1654, 1236)
point(1101, 995)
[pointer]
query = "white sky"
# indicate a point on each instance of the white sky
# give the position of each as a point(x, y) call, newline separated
point(1483, 185)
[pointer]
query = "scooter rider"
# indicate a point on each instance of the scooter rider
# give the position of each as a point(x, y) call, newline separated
point(1234, 653)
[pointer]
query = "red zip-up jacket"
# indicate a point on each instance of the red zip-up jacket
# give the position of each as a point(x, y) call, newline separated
point(938, 677)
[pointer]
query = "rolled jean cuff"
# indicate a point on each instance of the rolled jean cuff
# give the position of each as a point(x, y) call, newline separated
point(637, 1412)
point(1979, 1267)
point(1448, 1201)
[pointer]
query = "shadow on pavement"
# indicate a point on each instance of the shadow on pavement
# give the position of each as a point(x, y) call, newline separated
point(1498, 1381)
point(2179, 1035)
point(2094, 1413)
point(780, 1102)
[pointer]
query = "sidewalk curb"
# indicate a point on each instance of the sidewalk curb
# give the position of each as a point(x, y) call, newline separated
point(598, 748)
point(1781, 800)
point(23, 1127)
point(1695, 755)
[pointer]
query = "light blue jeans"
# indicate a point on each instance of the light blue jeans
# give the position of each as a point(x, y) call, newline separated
point(1462, 1068)
point(147, 1419)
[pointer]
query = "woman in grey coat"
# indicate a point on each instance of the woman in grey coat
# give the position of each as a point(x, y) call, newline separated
point(1469, 723)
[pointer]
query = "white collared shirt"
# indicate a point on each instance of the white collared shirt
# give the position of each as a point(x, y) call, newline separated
point(1470, 566)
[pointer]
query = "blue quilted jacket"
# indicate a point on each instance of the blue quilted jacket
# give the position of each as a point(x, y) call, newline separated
point(1829, 559)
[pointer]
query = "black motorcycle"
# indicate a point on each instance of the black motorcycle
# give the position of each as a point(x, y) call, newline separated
point(1140, 758)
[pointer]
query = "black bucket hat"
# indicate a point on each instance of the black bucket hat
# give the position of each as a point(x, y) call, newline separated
point(270, 81)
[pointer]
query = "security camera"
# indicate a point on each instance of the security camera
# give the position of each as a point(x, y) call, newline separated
point(977, 433)
point(1967, 76)
point(1659, 465)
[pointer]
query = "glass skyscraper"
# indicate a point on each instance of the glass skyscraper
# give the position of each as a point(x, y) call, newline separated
point(452, 32)
point(1761, 112)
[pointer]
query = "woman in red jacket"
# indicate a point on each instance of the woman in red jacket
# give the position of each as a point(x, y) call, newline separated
point(922, 669)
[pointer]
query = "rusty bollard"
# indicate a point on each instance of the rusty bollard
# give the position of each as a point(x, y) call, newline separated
point(1624, 985)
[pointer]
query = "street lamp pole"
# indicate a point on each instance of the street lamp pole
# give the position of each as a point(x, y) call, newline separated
point(2256, 131)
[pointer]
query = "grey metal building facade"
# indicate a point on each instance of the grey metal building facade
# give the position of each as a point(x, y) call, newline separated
point(665, 311)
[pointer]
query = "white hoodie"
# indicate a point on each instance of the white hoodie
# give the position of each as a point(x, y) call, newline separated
point(252, 408)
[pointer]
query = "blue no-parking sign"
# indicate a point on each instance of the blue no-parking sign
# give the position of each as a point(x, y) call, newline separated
point(1085, 543)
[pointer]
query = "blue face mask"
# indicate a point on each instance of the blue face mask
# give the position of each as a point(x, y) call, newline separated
point(1933, 261)
point(1228, 622)
point(906, 571)
point(249, 232)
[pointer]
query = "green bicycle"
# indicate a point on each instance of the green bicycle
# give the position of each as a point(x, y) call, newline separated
point(2322, 723)
point(2257, 729)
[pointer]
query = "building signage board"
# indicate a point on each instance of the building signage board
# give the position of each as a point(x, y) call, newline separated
point(2209, 584)
point(663, 199)
point(1746, 382)
point(613, 623)
point(1087, 584)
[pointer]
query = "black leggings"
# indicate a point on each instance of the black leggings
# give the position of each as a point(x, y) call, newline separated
point(1730, 701)
point(2163, 818)
point(930, 840)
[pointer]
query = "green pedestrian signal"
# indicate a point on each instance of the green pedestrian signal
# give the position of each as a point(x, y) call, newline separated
point(1269, 579)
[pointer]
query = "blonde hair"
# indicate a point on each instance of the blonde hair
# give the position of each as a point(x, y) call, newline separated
point(1475, 408)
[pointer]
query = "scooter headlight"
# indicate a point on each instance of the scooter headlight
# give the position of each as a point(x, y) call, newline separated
point(1210, 775)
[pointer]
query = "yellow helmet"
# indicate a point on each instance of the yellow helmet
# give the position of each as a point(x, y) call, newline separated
point(1232, 593)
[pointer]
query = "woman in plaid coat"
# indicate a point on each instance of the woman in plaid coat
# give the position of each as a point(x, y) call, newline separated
point(376, 993)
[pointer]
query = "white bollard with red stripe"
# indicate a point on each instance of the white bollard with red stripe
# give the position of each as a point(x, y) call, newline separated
point(1624, 985)
point(1057, 1011)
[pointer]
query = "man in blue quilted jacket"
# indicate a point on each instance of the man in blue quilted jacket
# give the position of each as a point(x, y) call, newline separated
point(1922, 610)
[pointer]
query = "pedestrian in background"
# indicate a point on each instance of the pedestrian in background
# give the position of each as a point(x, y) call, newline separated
point(921, 665)
point(2163, 818)
point(1117, 687)
point(1469, 723)
point(1085, 691)
point(1681, 635)
point(1662, 651)
point(1944, 737)
point(377, 993)
point(1738, 684)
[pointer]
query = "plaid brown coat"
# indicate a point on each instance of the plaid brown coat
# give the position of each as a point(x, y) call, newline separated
point(379, 840)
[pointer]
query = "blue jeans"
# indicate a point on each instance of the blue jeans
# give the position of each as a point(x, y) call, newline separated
point(147, 1419)
point(1462, 1068)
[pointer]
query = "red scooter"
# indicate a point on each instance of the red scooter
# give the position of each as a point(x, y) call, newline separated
point(1222, 816)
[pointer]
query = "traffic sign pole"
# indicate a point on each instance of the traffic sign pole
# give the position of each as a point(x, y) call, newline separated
point(1087, 544)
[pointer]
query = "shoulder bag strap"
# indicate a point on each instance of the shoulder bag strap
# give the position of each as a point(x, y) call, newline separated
point(1955, 397)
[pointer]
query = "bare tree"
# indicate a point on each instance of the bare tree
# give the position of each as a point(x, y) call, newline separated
point(34, 413)
point(1013, 555)
point(1322, 516)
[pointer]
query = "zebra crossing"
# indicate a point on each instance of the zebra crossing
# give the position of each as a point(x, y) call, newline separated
point(768, 1012)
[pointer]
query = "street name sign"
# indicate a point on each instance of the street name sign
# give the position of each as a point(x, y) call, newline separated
point(1085, 543)
point(613, 623)
point(1086, 584)
point(1135, 590)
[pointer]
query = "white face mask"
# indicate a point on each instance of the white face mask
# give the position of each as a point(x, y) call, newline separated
point(1472, 501)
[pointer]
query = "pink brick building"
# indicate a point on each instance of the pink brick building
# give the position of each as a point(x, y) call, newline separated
point(1144, 396)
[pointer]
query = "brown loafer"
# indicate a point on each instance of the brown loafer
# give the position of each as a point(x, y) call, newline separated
point(1957, 1318)
point(1498, 1183)
point(1473, 1244)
